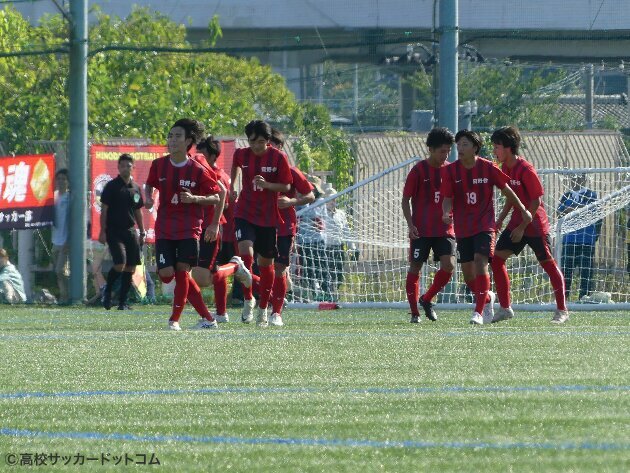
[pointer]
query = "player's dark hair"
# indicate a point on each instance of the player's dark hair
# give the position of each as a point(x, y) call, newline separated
point(60, 172)
point(194, 129)
point(257, 128)
point(440, 136)
point(277, 137)
point(507, 136)
point(212, 145)
point(125, 157)
point(472, 136)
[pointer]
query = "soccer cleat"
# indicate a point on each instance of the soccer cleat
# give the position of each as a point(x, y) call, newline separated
point(502, 313)
point(427, 306)
point(174, 325)
point(415, 319)
point(222, 319)
point(560, 316)
point(125, 307)
point(248, 310)
point(476, 319)
point(276, 320)
point(488, 309)
point(242, 274)
point(261, 318)
point(205, 324)
point(107, 299)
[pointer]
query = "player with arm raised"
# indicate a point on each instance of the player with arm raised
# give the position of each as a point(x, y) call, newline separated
point(526, 184)
point(468, 188)
point(185, 187)
point(422, 208)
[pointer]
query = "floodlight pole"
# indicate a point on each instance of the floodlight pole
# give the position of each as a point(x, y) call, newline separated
point(449, 41)
point(77, 170)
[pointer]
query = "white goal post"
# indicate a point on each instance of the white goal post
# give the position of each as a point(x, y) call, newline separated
point(351, 247)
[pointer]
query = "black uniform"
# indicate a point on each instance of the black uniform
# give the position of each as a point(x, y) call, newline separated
point(122, 201)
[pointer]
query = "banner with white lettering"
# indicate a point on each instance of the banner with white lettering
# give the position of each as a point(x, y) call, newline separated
point(27, 191)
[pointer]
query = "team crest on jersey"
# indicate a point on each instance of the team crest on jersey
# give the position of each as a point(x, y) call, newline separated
point(136, 198)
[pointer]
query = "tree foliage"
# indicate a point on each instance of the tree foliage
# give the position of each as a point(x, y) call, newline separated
point(506, 94)
point(139, 93)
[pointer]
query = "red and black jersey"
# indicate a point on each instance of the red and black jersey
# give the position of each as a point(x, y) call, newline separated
point(300, 185)
point(215, 174)
point(256, 205)
point(472, 191)
point(176, 220)
point(423, 188)
point(526, 184)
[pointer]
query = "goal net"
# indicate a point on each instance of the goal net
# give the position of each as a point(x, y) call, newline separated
point(352, 246)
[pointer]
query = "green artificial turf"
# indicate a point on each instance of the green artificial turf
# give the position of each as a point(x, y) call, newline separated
point(346, 390)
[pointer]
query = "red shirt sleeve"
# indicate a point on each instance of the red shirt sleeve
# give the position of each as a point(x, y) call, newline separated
point(446, 187)
point(152, 179)
point(532, 184)
point(284, 170)
point(208, 182)
point(411, 184)
point(237, 158)
point(500, 178)
point(300, 183)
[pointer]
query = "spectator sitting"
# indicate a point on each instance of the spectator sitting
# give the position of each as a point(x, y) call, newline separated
point(11, 283)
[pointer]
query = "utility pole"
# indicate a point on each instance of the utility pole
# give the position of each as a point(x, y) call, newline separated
point(588, 96)
point(77, 170)
point(449, 41)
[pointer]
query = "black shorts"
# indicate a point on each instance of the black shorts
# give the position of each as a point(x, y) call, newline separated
point(208, 253)
point(482, 243)
point(170, 252)
point(419, 248)
point(227, 251)
point(264, 238)
point(124, 248)
point(541, 246)
point(285, 245)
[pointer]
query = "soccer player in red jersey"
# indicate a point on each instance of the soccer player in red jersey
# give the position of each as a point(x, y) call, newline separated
point(185, 187)
point(526, 184)
point(212, 266)
point(422, 208)
point(468, 190)
point(265, 173)
point(301, 193)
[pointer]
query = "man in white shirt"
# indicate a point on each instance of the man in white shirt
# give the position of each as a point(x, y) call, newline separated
point(60, 248)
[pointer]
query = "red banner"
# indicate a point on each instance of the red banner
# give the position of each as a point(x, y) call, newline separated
point(27, 191)
point(104, 160)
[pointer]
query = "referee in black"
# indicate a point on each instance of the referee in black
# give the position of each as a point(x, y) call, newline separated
point(121, 201)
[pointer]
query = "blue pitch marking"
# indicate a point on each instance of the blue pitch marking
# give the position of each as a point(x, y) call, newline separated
point(315, 442)
point(374, 390)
